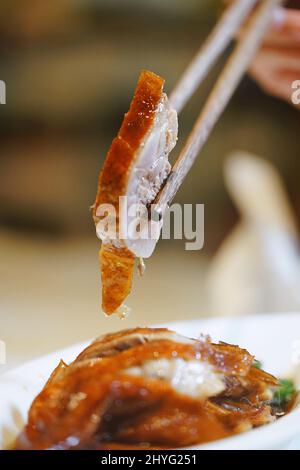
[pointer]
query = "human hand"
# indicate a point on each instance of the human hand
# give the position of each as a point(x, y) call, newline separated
point(277, 64)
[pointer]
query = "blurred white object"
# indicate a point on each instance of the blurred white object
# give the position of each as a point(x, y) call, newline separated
point(257, 268)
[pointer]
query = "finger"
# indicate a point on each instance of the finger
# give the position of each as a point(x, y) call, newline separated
point(280, 57)
point(275, 87)
point(285, 28)
point(269, 59)
point(283, 80)
point(275, 74)
point(286, 21)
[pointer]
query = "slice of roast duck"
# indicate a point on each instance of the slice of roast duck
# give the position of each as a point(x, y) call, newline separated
point(149, 388)
point(134, 170)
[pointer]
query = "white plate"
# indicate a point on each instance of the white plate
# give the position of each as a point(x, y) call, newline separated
point(274, 339)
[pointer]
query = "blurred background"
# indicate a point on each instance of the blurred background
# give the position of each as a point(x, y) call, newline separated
point(70, 68)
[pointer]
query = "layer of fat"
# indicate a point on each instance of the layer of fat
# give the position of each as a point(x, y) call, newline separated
point(193, 378)
point(149, 170)
point(109, 347)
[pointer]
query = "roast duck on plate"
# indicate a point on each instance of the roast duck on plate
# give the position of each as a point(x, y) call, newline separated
point(149, 388)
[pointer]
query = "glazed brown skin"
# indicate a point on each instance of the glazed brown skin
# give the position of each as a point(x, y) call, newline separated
point(137, 122)
point(117, 266)
point(94, 404)
point(117, 263)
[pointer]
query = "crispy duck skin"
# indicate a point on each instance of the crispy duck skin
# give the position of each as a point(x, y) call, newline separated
point(137, 122)
point(117, 262)
point(114, 397)
point(116, 275)
point(135, 166)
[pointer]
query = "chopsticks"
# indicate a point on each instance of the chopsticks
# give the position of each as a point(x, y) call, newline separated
point(215, 44)
point(223, 89)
